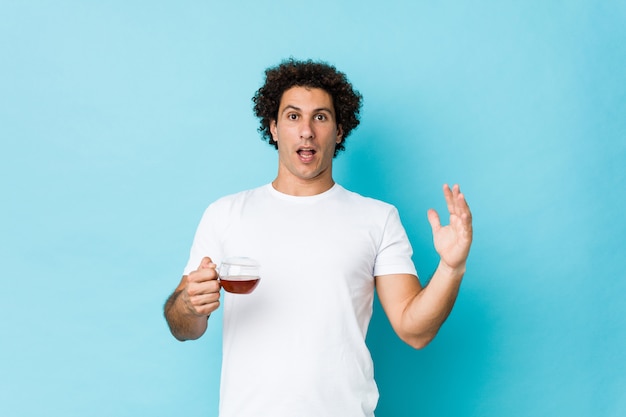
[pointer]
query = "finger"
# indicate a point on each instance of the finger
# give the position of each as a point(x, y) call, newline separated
point(205, 263)
point(449, 196)
point(458, 199)
point(463, 208)
point(456, 192)
point(202, 306)
point(198, 301)
point(207, 309)
point(434, 220)
point(206, 272)
point(465, 216)
point(203, 287)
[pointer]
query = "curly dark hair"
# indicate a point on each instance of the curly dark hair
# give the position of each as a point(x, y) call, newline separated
point(293, 73)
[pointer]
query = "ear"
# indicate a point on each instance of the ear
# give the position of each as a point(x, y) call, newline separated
point(274, 130)
point(339, 134)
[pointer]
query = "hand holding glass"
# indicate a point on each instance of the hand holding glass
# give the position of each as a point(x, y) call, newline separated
point(239, 275)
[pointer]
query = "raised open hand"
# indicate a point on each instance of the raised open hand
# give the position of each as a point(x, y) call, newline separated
point(452, 242)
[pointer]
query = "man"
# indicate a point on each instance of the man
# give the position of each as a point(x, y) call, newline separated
point(296, 345)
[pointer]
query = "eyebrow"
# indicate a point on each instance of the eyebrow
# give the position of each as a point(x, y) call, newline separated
point(292, 107)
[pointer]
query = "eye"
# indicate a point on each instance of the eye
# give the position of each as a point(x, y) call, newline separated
point(292, 116)
point(321, 117)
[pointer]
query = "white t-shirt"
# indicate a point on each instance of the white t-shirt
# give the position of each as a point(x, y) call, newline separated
point(295, 347)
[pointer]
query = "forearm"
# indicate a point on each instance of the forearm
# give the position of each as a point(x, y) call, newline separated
point(183, 324)
point(428, 310)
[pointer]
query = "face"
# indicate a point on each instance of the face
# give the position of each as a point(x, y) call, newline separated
point(306, 132)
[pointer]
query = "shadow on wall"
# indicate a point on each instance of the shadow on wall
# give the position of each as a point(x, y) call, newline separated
point(448, 377)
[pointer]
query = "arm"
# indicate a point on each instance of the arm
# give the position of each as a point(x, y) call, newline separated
point(196, 297)
point(417, 313)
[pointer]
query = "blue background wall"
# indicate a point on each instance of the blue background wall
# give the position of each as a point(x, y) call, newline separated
point(120, 121)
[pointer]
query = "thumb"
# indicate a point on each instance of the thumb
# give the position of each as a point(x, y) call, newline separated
point(205, 263)
point(433, 219)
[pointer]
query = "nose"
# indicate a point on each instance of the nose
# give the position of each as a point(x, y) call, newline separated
point(306, 129)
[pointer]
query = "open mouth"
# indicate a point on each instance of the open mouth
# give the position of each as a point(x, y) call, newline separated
point(306, 154)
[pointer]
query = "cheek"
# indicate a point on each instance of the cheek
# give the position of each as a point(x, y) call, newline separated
point(282, 146)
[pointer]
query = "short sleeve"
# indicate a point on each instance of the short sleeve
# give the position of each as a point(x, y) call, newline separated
point(206, 240)
point(395, 251)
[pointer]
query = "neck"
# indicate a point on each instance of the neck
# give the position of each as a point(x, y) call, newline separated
point(303, 187)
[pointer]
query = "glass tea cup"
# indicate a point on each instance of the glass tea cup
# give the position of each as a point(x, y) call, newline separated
point(239, 275)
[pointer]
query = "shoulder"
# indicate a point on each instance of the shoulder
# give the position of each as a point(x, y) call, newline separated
point(230, 201)
point(363, 202)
